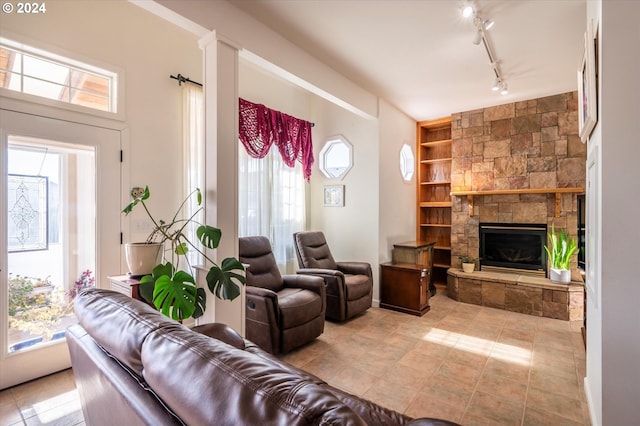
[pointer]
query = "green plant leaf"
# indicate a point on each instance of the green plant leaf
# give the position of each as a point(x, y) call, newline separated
point(182, 249)
point(175, 298)
point(147, 285)
point(209, 236)
point(222, 280)
point(132, 204)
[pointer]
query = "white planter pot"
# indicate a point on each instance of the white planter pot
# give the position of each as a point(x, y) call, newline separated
point(468, 267)
point(142, 257)
point(561, 276)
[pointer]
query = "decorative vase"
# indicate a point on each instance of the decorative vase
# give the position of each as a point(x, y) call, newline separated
point(468, 267)
point(142, 257)
point(561, 276)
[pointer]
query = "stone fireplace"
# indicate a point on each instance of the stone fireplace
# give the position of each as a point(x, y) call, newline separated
point(509, 156)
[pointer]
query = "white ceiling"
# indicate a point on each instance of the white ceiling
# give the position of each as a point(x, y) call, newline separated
point(419, 55)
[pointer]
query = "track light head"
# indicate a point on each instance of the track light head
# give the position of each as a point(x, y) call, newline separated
point(496, 85)
point(467, 10)
point(488, 24)
point(478, 37)
point(504, 89)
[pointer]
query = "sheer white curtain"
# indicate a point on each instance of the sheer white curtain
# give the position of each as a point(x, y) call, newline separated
point(271, 203)
point(193, 154)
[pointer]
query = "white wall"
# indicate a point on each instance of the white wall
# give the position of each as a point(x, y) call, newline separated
point(613, 317)
point(397, 203)
point(148, 49)
point(352, 230)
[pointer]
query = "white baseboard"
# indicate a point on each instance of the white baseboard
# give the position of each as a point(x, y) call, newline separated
point(587, 392)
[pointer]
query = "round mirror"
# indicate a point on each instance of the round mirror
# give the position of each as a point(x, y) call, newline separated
point(336, 157)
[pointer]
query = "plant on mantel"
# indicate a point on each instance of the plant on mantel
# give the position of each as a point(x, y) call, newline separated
point(173, 290)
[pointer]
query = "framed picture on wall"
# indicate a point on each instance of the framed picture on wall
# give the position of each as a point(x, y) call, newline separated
point(334, 196)
point(587, 98)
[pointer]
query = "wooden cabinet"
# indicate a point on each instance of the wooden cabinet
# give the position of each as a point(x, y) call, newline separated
point(404, 287)
point(433, 198)
point(126, 285)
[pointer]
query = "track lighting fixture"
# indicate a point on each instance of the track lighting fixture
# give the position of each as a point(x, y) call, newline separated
point(468, 10)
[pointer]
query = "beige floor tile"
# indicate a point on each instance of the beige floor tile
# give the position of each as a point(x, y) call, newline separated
point(354, 380)
point(533, 417)
point(559, 405)
point(391, 395)
point(507, 369)
point(455, 393)
point(512, 390)
point(497, 408)
point(425, 405)
point(453, 371)
point(560, 385)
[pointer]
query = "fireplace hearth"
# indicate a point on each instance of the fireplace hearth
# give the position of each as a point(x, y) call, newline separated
point(514, 248)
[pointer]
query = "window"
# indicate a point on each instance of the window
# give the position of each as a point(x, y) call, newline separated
point(407, 163)
point(336, 157)
point(34, 72)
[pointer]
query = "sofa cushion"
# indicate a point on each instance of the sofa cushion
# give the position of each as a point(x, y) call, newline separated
point(316, 253)
point(298, 306)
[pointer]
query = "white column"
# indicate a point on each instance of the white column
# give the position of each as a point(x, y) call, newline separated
point(221, 162)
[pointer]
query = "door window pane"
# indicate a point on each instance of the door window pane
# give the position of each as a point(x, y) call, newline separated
point(51, 198)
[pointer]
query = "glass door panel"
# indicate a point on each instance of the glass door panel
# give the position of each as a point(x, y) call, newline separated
point(50, 236)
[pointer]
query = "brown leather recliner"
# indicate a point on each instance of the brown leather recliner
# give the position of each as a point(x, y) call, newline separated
point(349, 285)
point(282, 311)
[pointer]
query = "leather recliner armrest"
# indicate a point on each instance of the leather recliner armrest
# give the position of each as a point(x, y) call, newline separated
point(308, 282)
point(355, 268)
point(221, 332)
point(321, 272)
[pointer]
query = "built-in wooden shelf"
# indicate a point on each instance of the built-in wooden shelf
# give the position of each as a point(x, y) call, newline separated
point(435, 204)
point(556, 191)
point(442, 225)
point(436, 182)
point(436, 160)
point(434, 143)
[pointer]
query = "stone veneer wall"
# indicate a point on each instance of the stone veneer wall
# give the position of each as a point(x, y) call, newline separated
point(529, 144)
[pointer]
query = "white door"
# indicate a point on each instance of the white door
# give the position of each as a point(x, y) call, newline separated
point(59, 231)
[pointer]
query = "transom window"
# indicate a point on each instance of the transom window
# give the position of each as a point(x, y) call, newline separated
point(50, 76)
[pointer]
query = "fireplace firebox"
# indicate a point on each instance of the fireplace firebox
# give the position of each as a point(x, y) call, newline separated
point(514, 248)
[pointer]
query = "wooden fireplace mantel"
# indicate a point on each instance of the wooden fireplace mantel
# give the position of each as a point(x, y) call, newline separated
point(556, 191)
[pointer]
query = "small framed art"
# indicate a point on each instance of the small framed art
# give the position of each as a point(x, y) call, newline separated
point(334, 196)
point(587, 97)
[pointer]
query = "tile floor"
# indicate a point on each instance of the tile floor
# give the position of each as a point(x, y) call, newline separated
point(466, 363)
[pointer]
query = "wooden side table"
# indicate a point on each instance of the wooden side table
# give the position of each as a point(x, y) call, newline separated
point(127, 285)
point(404, 287)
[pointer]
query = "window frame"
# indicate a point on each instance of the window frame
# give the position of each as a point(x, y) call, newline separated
point(73, 61)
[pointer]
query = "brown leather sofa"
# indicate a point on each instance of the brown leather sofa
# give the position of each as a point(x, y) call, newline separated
point(282, 311)
point(349, 285)
point(134, 366)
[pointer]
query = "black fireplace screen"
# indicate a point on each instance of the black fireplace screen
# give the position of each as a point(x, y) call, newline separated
point(513, 246)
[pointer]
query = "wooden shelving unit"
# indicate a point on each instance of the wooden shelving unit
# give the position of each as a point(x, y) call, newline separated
point(433, 196)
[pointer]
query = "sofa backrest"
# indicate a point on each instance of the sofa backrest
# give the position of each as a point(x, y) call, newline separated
point(200, 379)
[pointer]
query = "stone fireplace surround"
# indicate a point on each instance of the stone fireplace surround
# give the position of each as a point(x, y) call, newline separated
point(531, 144)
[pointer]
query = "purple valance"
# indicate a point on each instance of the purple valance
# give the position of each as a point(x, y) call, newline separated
point(261, 127)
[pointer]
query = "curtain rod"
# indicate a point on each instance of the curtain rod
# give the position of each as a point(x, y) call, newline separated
point(182, 79)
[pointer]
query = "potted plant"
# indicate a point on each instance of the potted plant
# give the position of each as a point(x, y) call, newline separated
point(173, 290)
point(559, 251)
point(468, 263)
